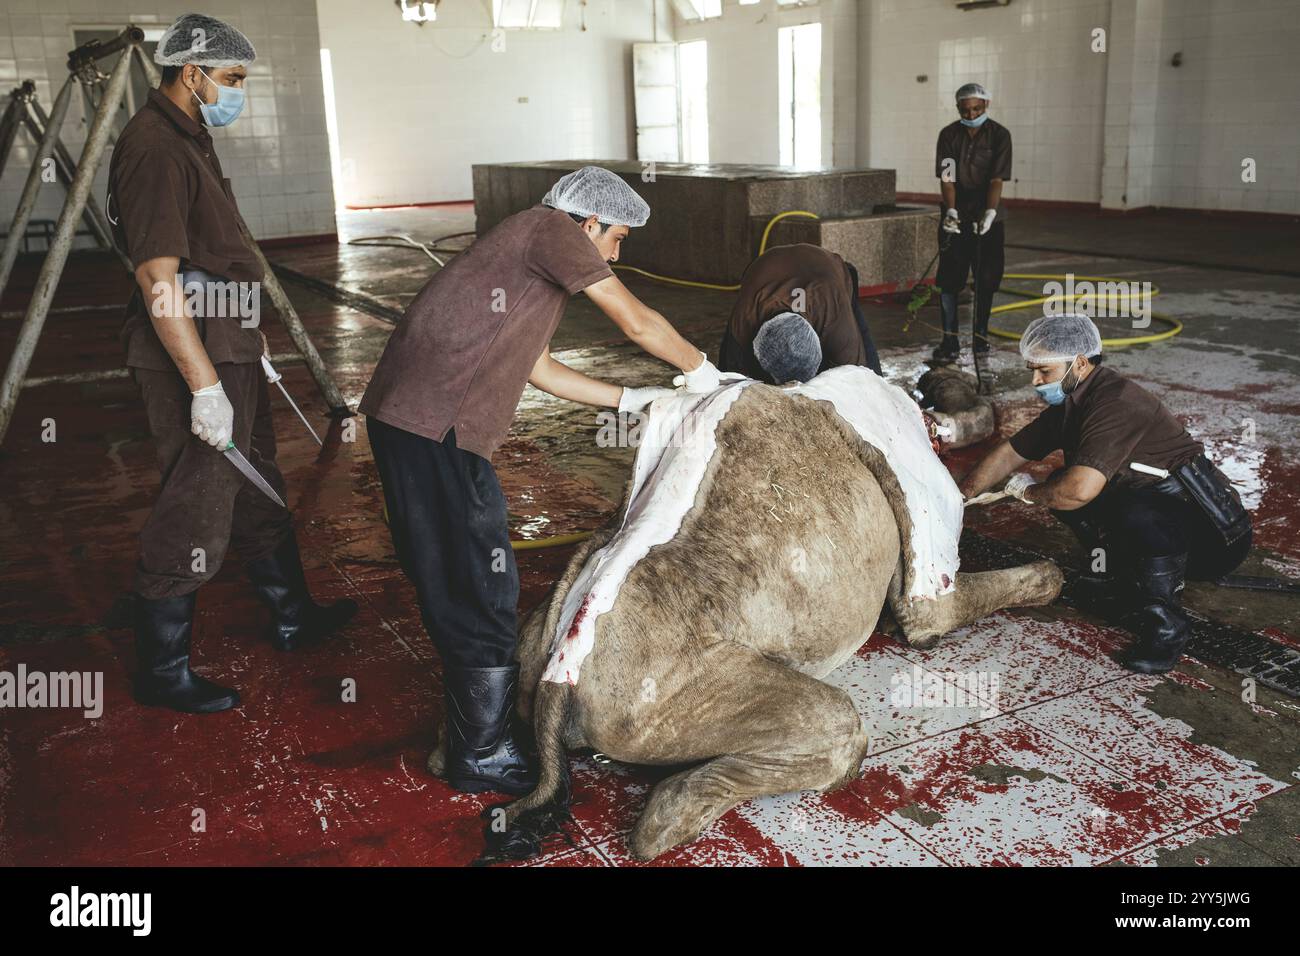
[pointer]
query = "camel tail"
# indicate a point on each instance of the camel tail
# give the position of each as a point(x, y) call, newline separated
point(518, 830)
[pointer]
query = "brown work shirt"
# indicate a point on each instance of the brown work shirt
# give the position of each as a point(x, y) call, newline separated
point(461, 356)
point(1106, 423)
point(167, 196)
point(976, 160)
point(800, 278)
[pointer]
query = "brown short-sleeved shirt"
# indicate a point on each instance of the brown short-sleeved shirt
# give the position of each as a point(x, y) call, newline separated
point(979, 160)
point(772, 284)
point(1106, 423)
point(461, 356)
point(167, 196)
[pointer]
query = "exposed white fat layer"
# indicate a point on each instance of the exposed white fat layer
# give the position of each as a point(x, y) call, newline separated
point(678, 439)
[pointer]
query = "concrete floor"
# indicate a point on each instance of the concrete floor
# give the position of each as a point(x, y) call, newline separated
point(1072, 761)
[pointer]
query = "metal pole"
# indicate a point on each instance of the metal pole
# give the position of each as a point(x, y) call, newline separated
point(288, 315)
point(150, 71)
point(37, 123)
point(293, 325)
point(57, 255)
point(9, 122)
point(33, 185)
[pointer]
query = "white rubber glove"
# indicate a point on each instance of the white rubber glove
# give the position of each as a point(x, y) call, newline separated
point(987, 222)
point(951, 222)
point(211, 416)
point(638, 399)
point(1017, 484)
point(705, 378)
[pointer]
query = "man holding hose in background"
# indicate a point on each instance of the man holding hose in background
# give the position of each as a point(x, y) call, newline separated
point(440, 404)
point(972, 160)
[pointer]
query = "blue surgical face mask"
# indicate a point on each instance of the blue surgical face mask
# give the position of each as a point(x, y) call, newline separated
point(977, 121)
point(229, 104)
point(1053, 393)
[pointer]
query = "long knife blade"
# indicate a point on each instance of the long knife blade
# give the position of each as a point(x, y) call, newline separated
point(273, 376)
point(294, 406)
point(237, 459)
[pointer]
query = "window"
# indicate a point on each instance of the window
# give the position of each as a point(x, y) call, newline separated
point(528, 14)
point(699, 9)
point(799, 63)
point(693, 99)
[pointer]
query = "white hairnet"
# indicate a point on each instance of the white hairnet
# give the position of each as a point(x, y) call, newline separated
point(788, 349)
point(1059, 338)
point(593, 191)
point(972, 91)
point(204, 41)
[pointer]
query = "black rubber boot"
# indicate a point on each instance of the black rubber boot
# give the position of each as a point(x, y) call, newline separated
point(949, 347)
point(1162, 627)
point(298, 621)
point(482, 753)
point(162, 650)
point(947, 351)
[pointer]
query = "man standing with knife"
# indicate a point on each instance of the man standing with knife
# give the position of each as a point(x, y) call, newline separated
point(199, 371)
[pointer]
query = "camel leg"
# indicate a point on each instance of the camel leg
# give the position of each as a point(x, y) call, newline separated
point(778, 730)
point(976, 595)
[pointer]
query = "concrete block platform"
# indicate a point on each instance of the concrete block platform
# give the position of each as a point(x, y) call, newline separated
point(706, 221)
point(890, 249)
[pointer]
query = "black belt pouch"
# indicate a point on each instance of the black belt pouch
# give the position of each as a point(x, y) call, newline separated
point(1213, 494)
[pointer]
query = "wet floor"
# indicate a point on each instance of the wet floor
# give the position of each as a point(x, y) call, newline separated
point(1077, 760)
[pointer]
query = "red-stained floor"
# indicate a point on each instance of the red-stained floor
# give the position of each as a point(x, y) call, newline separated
point(1017, 741)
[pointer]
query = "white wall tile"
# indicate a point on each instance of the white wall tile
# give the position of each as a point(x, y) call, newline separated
point(41, 33)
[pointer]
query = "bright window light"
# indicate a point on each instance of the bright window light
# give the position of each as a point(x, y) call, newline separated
point(699, 9)
point(799, 95)
point(528, 14)
point(693, 99)
point(332, 127)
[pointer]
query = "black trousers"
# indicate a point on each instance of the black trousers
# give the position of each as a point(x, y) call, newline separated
point(447, 516)
point(205, 504)
point(966, 254)
point(873, 358)
point(1132, 524)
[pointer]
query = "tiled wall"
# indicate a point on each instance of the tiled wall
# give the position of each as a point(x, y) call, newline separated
point(1233, 97)
point(1033, 56)
point(418, 105)
point(1124, 128)
point(276, 153)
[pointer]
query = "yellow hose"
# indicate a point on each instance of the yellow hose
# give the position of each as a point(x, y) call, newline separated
point(1030, 300)
point(555, 541)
